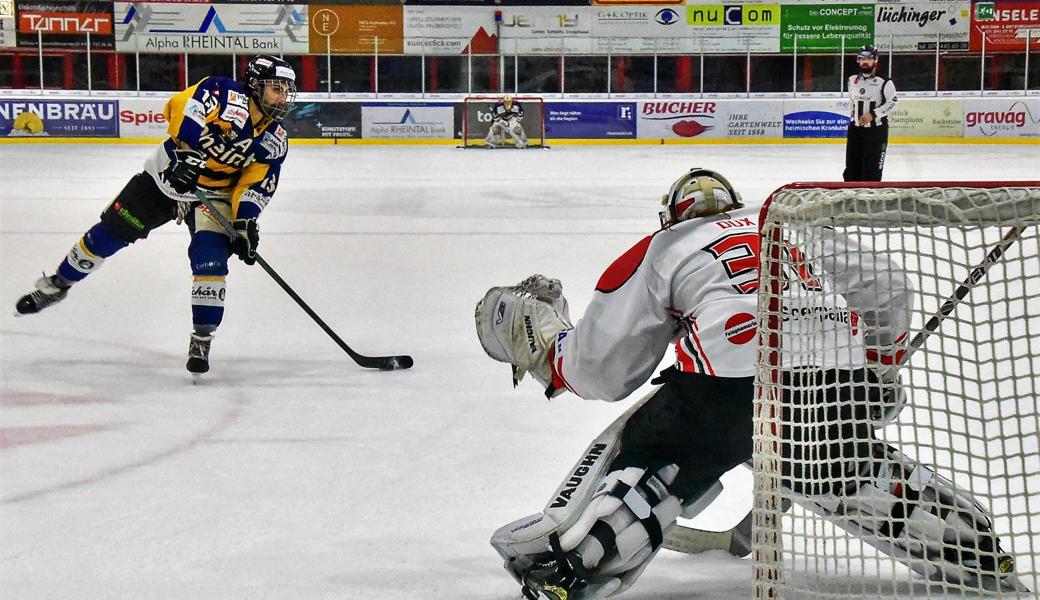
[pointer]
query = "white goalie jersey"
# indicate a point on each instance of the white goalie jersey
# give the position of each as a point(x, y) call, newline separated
point(695, 285)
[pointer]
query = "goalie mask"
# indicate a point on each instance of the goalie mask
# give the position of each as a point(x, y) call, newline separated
point(272, 85)
point(698, 193)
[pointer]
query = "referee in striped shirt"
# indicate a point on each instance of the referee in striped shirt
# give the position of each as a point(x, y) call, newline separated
point(872, 98)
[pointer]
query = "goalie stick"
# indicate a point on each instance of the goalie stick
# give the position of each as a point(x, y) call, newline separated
point(384, 363)
point(737, 540)
point(690, 540)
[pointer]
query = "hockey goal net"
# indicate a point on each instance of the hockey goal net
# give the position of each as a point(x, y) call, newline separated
point(477, 117)
point(943, 499)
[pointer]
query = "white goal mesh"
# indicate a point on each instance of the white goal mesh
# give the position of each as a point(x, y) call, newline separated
point(845, 505)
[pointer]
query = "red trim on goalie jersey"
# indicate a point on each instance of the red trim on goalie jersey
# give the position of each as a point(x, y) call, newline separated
point(896, 358)
point(690, 356)
point(626, 265)
point(556, 371)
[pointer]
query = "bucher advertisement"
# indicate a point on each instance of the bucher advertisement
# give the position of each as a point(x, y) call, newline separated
point(142, 118)
point(64, 23)
point(1004, 25)
point(407, 120)
point(1002, 117)
point(357, 29)
point(820, 27)
point(58, 118)
point(590, 120)
point(449, 30)
point(816, 119)
point(713, 119)
point(751, 119)
point(681, 119)
point(324, 120)
point(210, 28)
point(927, 118)
point(905, 25)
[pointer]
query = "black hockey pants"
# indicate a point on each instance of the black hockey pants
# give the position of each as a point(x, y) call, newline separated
point(865, 153)
point(704, 425)
point(700, 423)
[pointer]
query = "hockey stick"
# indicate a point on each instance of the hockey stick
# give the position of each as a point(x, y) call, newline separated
point(385, 363)
point(737, 540)
point(962, 290)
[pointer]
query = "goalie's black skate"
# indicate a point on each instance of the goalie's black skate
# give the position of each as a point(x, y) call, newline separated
point(50, 289)
point(198, 354)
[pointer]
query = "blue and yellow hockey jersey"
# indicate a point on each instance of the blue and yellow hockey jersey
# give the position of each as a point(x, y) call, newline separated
point(244, 149)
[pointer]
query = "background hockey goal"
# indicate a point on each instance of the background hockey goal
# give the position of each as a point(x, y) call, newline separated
point(972, 414)
point(476, 120)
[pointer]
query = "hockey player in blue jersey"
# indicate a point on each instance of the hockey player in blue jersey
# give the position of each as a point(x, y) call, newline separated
point(226, 140)
point(505, 121)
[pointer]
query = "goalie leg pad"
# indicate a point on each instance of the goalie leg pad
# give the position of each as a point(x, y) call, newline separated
point(910, 512)
point(496, 133)
point(529, 536)
point(516, 131)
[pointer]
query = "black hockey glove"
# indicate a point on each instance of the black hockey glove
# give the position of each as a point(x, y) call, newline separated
point(248, 238)
point(183, 171)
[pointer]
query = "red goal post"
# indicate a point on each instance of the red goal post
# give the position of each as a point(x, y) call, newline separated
point(476, 119)
point(970, 250)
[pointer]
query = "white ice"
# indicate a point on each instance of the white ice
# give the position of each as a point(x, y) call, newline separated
point(290, 473)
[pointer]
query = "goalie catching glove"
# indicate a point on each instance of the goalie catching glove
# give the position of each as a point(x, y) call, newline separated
point(519, 324)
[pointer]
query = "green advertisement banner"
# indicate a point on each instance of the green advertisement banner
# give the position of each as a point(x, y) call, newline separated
point(819, 27)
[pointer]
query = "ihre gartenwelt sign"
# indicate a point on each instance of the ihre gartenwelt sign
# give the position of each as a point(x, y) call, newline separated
point(210, 28)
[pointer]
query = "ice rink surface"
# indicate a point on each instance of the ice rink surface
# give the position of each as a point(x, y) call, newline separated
point(291, 473)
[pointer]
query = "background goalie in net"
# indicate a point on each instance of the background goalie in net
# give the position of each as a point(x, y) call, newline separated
point(506, 118)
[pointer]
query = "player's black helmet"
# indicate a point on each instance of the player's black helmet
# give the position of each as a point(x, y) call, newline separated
point(868, 51)
point(265, 70)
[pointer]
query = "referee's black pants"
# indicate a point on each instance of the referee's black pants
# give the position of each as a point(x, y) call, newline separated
point(865, 152)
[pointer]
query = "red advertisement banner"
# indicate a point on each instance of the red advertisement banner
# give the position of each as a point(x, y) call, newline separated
point(65, 22)
point(1004, 24)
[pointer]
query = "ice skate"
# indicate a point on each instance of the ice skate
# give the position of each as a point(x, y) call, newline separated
point(50, 289)
point(198, 355)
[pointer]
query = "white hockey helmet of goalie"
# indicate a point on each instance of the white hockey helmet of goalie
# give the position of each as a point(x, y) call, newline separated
point(698, 193)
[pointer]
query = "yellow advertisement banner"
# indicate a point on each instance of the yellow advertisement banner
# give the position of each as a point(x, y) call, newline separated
point(718, 15)
point(356, 29)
